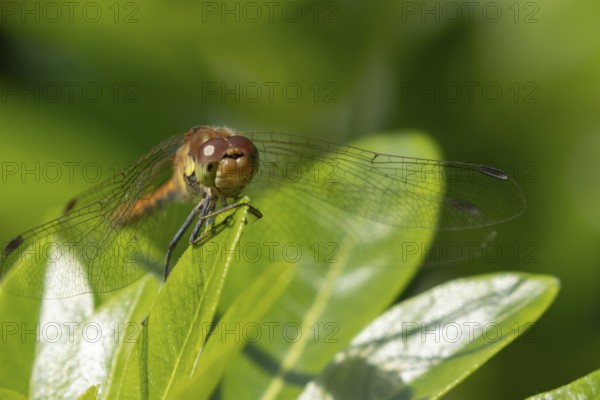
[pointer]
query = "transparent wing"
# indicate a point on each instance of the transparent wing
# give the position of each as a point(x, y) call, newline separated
point(395, 190)
point(88, 249)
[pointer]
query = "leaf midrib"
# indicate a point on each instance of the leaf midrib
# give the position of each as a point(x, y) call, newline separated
point(314, 312)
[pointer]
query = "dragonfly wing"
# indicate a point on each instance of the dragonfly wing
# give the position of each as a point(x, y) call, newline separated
point(400, 191)
point(89, 248)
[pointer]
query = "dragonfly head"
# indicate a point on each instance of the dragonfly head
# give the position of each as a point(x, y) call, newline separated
point(227, 164)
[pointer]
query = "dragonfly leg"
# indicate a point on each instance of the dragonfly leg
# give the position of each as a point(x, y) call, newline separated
point(208, 207)
point(195, 238)
point(180, 233)
point(253, 210)
point(213, 230)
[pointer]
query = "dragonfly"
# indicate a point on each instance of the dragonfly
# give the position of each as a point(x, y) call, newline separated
point(97, 243)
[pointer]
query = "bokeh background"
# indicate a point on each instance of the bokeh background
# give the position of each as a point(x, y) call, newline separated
point(88, 86)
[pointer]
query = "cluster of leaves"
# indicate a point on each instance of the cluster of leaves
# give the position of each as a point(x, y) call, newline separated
point(200, 336)
point(174, 355)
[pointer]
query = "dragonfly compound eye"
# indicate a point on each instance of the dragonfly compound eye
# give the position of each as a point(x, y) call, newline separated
point(207, 161)
point(227, 164)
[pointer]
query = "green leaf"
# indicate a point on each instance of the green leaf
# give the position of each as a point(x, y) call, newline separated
point(586, 388)
point(426, 345)
point(239, 325)
point(91, 393)
point(53, 267)
point(7, 394)
point(179, 321)
point(349, 269)
point(81, 345)
point(19, 321)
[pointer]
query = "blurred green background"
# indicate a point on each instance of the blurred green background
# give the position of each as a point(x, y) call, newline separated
point(87, 87)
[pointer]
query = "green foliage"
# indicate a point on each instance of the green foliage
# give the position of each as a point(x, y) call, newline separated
point(96, 348)
point(286, 326)
point(425, 346)
point(586, 388)
point(8, 394)
point(91, 393)
point(349, 271)
point(178, 323)
point(514, 85)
